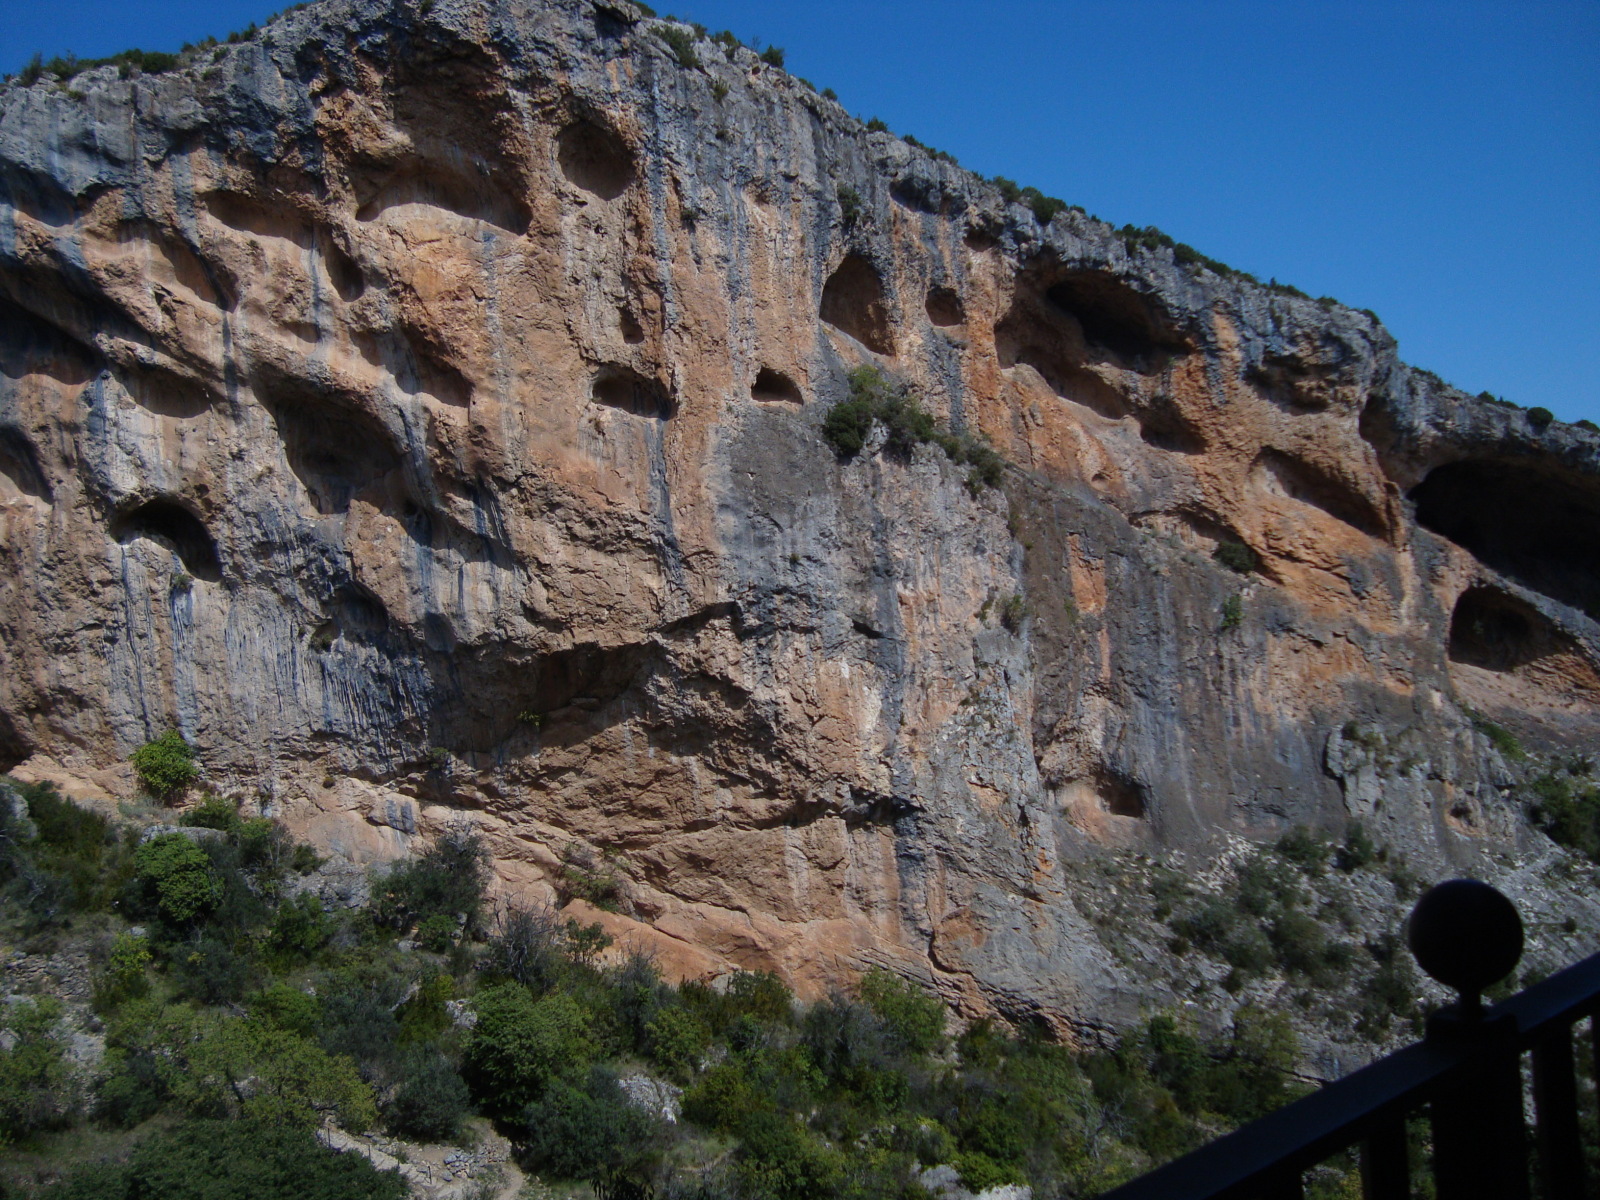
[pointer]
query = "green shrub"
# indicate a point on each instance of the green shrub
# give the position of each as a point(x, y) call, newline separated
point(585, 1131)
point(915, 1018)
point(213, 812)
point(284, 1007)
point(1539, 417)
point(232, 1160)
point(877, 126)
point(875, 398)
point(519, 1045)
point(1304, 847)
point(850, 210)
point(431, 1101)
point(681, 42)
point(528, 948)
point(1585, 423)
point(1233, 612)
point(176, 875)
point(448, 879)
point(773, 56)
point(1567, 816)
point(165, 765)
point(676, 1038)
point(123, 977)
point(1236, 556)
point(1501, 738)
point(1358, 850)
point(36, 1081)
point(299, 929)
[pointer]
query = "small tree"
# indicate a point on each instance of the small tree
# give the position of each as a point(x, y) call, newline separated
point(177, 875)
point(165, 765)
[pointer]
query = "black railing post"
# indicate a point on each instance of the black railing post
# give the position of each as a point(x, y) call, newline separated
point(1468, 936)
point(1386, 1163)
point(1555, 1097)
point(1480, 1139)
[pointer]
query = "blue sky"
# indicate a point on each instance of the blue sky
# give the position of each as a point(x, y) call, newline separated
point(1437, 163)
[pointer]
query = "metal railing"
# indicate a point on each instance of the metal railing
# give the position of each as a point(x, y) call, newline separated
point(1466, 1075)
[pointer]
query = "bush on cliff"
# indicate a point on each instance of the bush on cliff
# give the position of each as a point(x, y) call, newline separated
point(165, 765)
point(876, 399)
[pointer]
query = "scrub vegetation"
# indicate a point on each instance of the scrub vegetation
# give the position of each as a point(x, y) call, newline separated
point(216, 961)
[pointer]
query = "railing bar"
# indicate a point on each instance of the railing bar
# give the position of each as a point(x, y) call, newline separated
point(1563, 998)
point(1386, 1163)
point(1555, 1097)
point(1304, 1133)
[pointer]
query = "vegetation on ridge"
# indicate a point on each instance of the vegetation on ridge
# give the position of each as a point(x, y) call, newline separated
point(215, 960)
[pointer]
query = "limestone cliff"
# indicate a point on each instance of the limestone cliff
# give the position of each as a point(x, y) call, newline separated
point(418, 406)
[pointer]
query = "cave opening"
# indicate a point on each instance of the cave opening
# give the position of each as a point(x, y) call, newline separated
point(944, 308)
point(1496, 631)
point(333, 448)
point(19, 463)
point(1115, 317)
point(595, 159)
point(853, 303)
point(1539, 527)
point(621, 387)
point(168, 523)
point(775, 387)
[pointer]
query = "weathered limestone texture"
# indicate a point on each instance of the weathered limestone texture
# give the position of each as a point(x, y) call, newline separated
point(418, 406)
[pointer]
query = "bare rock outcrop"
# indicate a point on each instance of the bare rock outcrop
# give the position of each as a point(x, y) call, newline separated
point(419, 405)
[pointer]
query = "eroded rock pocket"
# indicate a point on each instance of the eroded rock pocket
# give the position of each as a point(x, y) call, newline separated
point(774, 387)
point(623, 388)
point(853, 303)
point(595, 159)
point(169, 524)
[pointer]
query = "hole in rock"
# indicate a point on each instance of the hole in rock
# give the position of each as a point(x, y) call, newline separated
point(19, 463)
point(14, 745)
point(357, 615)
point(919, 192)
point(1539, 526)
point(37, 195)
point(471, 194)
point(163, 391)
point(1292, 384)
point(244, 214)
point(32, 346)
point(1498, 632)
point(1114, 316)
point(632, 331)
point(1122, 797)
point(334, 448)
point(944, 307)
point(853, 303)
point(620, 387)
point(209, 282)
point(775, 386)
point(595, 159)
point(417, 369)
point(168, 523)
point(1307, 483)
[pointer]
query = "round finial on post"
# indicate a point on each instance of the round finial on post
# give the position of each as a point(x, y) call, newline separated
point(1467, 936)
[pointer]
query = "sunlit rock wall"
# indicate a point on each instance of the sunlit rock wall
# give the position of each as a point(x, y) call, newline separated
point(419, 407)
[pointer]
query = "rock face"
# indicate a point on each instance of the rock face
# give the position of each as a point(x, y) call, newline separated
point(419, 407)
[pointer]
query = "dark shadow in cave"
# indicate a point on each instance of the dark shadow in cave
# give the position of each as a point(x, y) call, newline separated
point(1540, 527)
point(1498, 632)
point(167, 523)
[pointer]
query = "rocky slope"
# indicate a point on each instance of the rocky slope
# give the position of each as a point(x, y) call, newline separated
point(419, 405)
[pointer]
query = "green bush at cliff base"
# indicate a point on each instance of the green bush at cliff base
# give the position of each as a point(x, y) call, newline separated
point(231, 1160)
point(165, 765)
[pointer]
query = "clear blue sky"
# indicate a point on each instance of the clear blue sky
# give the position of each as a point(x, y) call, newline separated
point(1438, 163)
